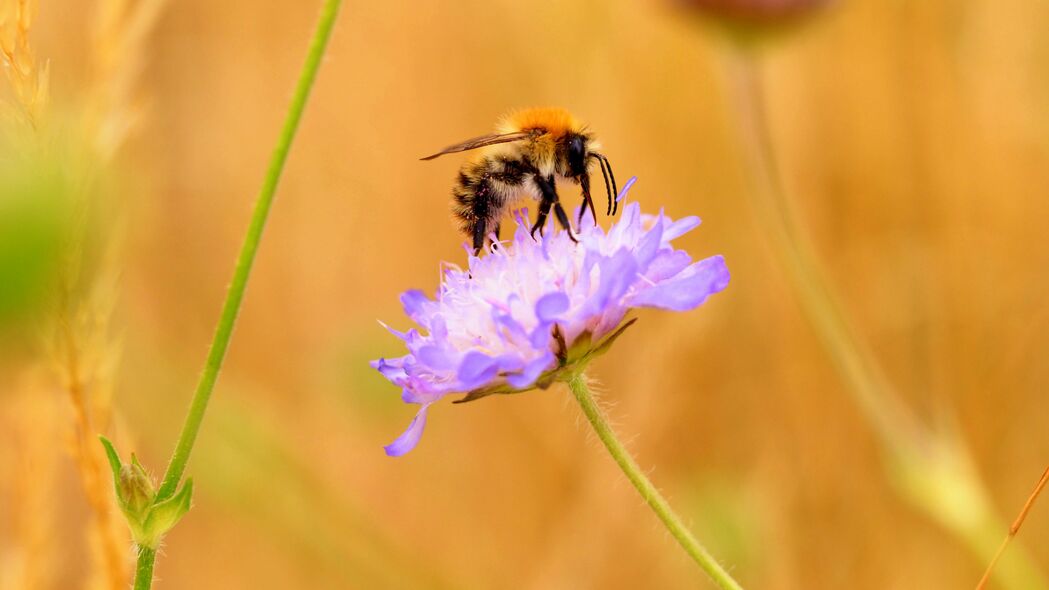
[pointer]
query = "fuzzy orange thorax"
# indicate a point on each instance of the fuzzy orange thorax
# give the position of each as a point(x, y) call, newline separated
point(555, 121)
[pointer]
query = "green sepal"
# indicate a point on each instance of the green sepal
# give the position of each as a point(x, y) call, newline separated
point(579, 349)
point(114, 461)
point(166, 514)
point(607, 342)
point(147, 518)
point(570, 361)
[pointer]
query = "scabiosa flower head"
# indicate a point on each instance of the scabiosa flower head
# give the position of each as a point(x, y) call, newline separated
point(756, 10)
point(753, 20)
point(533, 311)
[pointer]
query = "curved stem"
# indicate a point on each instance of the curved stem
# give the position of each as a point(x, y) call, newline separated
point(651, 495)
point(245, 260)
point(932, 469)
point(144, 569)
point(874, 395)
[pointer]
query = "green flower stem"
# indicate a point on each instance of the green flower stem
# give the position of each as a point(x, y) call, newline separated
point(577, 383)
point(235, 295)
point(144, 570)
point(931, 468)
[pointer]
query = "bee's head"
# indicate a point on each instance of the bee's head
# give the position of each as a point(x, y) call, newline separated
point(576, 154)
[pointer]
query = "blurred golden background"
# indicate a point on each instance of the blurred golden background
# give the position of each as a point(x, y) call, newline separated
point(913, 143)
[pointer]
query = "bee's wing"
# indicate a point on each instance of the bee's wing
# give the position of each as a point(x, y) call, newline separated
point(477, 142)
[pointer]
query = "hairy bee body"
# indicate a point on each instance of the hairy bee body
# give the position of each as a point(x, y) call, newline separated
point(531, 150)
point(485, 188)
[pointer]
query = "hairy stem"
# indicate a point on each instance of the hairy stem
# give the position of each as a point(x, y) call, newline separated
point(649, 493)
point(144, 569)
point(245, 260)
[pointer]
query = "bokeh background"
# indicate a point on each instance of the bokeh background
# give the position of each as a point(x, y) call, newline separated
point(913, 143)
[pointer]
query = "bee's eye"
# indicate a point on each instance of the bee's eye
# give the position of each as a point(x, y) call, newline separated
point(576, 154)
point(576, 146)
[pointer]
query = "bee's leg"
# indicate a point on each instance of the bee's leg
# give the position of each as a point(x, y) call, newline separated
point(481, 212)
point(547, 199)
point(478, 235)
point(495, 235)
point(549, 190)
point(584, 183)
point(540, 220)
point(562, 217)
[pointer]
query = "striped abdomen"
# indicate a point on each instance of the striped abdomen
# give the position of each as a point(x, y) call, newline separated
point(483, 191)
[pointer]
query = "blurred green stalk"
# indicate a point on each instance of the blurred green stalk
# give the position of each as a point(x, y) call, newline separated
point(931, 468)
point(303, 509)
point(245, 260)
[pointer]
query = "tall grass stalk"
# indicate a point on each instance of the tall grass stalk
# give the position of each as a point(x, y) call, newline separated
point(1014, 528)
point(87, 352)
point(80, 348)
point(109, 561)
point(29, 79)
point(245, 260)
point(932, 468)
point(119, 34)
point(32, 560)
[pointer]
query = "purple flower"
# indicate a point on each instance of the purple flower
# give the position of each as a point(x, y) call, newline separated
point(533, 311)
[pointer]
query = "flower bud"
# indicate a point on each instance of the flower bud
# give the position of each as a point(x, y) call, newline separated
point(135, 490)
point(148, 517)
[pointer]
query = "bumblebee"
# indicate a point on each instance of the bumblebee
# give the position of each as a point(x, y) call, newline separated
point(530, 150)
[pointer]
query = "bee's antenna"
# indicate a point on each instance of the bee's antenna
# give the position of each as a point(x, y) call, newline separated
point(601, 162)
point(615, 189)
